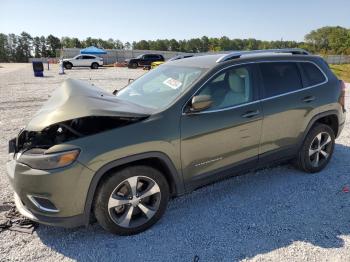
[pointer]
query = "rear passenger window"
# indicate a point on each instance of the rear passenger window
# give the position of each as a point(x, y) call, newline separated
point(312, 74)
point(280, 78)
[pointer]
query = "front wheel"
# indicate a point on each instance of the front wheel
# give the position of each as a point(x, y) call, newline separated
point(317, 149)
point(94, 66)
point(68, 66)
point(131, 200)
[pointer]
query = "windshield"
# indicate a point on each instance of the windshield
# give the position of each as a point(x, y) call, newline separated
point(161, 86)
point(139, 56)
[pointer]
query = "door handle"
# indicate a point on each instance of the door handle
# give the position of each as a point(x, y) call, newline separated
point(250, 114)
point(308, 99)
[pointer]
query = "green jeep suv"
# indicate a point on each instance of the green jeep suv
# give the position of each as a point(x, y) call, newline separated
point(88, 154)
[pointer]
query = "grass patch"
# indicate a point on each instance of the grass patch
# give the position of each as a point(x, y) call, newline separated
point(342, 71)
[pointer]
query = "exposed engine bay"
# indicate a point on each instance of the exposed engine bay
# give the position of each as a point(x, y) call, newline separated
point(69, 130)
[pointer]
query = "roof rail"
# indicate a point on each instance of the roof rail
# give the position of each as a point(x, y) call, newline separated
point(238, 54)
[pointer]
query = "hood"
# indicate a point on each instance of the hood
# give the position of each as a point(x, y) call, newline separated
point(77, 99)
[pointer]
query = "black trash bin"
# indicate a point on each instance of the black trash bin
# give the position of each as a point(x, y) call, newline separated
point(38, 68)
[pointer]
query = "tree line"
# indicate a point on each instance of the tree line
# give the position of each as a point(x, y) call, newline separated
point(19, 48)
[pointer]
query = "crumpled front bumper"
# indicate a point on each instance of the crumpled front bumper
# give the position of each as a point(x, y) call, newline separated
point(66, 188)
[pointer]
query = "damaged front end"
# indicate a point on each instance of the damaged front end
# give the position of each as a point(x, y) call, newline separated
point(66, 131)
point(75, 110)
point(31, 147)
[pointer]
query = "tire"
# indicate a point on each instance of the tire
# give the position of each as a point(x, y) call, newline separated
point(117, 213)
point(94, 66)
point(133, 65)
point(317, 149)
point(68, 66)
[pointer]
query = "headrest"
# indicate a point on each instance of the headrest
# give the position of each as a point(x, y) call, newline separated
point(236, 83)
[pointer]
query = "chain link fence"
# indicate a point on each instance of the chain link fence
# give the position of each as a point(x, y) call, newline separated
point(119, 55)
point(337, 59)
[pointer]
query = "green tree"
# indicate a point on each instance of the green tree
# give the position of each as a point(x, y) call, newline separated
point(37, 46)
point(43, 47)
point(205, 44)
point(329, 40)
point(53, 43)
point(4, 51)
point(24, 48)
point(127, 46)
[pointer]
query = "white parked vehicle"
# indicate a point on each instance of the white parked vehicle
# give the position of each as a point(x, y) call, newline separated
point(82, 60)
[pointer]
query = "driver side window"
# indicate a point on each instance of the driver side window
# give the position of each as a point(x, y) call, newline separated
point(229, 88)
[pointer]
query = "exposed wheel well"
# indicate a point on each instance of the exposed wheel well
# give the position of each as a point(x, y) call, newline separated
point(330, 120)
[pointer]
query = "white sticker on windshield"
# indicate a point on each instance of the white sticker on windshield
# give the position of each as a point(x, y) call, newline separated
point(172, 83)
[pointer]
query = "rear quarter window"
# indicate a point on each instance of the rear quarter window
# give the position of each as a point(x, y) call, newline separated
point(312, 74)
point(280, 77)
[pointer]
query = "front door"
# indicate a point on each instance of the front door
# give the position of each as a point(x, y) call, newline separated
point(226, 134)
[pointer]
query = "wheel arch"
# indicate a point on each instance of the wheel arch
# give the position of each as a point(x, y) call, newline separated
point(330, 118)
point(67, 62)
point(157, 160)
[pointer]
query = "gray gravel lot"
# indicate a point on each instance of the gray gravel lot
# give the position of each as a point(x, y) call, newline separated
point(278, 214)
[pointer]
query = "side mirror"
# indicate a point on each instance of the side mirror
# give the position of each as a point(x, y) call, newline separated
point(200, 103)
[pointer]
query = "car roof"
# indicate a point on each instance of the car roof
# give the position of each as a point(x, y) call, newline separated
point(201, 61)
point(213, 60)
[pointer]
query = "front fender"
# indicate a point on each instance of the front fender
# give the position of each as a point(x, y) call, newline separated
point(175, 176)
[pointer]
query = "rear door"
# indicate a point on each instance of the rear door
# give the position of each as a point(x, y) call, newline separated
point(226, 134)
point(156, 58)
point(287, 104)
point(88, 60)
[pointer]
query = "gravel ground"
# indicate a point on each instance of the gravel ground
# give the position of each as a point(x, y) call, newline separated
point(278, 214)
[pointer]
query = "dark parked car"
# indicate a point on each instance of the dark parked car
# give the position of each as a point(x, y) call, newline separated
point(189, 122)
point(143, 60)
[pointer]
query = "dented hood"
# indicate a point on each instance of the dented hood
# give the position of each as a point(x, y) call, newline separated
point(77, 99)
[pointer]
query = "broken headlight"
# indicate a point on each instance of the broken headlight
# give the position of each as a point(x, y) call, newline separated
point(37, 159)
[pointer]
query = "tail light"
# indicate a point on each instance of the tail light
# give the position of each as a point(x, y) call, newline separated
point(342, 94)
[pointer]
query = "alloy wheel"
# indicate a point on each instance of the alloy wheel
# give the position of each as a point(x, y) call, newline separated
point(320, 149)
point(134, 201)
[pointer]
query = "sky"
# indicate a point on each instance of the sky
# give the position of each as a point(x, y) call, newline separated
point(135, 20)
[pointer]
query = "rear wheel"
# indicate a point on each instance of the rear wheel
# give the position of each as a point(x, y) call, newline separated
point(68, 65)
point(317, 149)
point(131, 200)
point(134, 65)
point(94, 66)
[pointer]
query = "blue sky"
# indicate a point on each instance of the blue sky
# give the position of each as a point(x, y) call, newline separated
point(179, 19)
